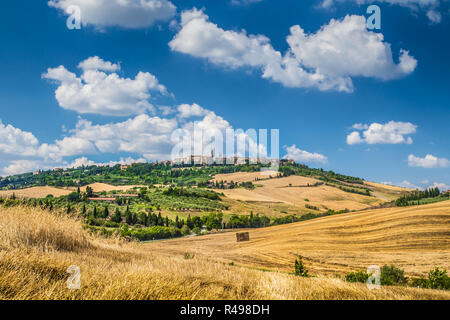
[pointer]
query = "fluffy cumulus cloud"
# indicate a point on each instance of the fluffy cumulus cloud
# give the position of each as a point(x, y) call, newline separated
point(147, 137)
point(99, 89)
point(430, 6)
point(131, 14)
point(191, 110)
point(20, 166)
point(14, 141)
point(429, 161)
point(325, 60)
point(144, 135)
point(408, 185)
point(302, 156)
point(441, 186)
point(345, 48)
point(84, 161)
point(376, 133)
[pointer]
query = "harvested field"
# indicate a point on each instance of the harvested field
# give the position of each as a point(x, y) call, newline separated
point(38, 247)
point(35, 192)
point(413, 238)
point(99, 187)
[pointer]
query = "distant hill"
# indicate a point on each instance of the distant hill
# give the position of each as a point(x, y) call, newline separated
point(302, 193)
point(152, 173)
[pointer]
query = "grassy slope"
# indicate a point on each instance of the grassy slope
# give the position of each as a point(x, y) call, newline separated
point(291, 194)
point(37, 247)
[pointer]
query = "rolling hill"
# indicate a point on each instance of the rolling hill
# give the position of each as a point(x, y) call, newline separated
point(413, 238)
point(295, 193)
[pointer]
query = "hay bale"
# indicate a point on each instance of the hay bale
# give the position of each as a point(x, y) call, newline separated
point(243, 236)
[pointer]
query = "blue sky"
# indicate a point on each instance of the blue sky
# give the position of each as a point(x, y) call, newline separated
point(372, 104)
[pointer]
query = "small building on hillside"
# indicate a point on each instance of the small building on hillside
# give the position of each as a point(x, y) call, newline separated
point(127, 195)
point(103, 199)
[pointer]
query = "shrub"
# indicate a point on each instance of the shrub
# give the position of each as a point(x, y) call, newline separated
point(112, 224)
point(152, 233)
point(357, 276)
point(95, 222)
point(300, 268)
point(439, 279)
point(185, 230)
point(391, 275)
point(188, 255)
point(420, 283)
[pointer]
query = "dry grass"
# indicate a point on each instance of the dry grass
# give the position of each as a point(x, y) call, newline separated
point(415, 239)
point(37, 248)
point(35, 192)
point(244, 176)
point(100, 187)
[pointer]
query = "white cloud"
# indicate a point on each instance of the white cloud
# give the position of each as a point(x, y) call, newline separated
point(426, 183)
point(131, 14)
point(145, 135)
point(354, 138)
point(301, 156)
point(406, 3)
point(67, 147)
point(83, 161)
point(17, 142)
point(415, 5)
point(434, 16)
point(429, 161)
point(99, 91)
point(360, 126)
point(191, 110)
point(440, 185)
point(326, 60)
point(408, 185)
point(345, 48)
point(20, 166)
point(404, 184)
point(96, 63)
point(390, 133)
point(80, 162)
point(244, 2)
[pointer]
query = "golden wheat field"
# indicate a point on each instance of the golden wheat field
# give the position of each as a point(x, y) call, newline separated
point(100, 187)
point(35, 192)
point(413, 238)
point(37, 247)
